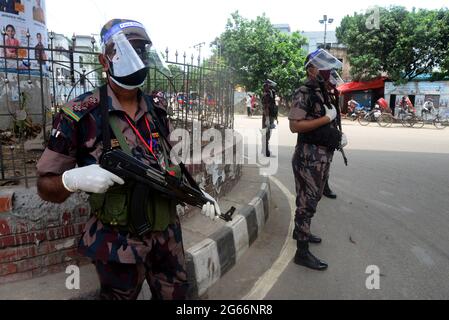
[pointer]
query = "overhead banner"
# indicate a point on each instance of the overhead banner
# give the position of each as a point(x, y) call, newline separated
point(20, 53)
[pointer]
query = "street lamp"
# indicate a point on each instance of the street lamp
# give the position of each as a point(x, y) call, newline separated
point(326, 21)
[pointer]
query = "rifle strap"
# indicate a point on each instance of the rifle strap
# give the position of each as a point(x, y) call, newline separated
point(164, 134)
point(113, 120)
point(104, 105)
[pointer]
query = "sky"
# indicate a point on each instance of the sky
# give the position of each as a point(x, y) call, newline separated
point(181, 24)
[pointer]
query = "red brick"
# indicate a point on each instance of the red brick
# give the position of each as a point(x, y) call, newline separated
point(7, 241)
point(51, 234)
point(29, 264)
point(66, 218)
point(83, 212)
point(31, 251)
point(47, 260)
point(8, 268)
point(4, 227)
point(7, 254)
point(22, 228)
point(30, 238)
point(49, 247)
point(6, 198)
point(16, 277)
point(42, 235)
point(14, 254)
point(12, 226)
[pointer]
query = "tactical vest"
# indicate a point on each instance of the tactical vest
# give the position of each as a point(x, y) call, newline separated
point(113, 207)
point(325, 136)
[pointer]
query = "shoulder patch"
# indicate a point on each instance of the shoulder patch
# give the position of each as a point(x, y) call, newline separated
point(82, 105)
point(159, 101)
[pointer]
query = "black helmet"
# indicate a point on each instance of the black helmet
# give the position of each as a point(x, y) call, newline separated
point(306, 62)
point(270, 84)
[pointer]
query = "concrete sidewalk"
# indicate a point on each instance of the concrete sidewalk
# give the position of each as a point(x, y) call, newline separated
point(212, 248)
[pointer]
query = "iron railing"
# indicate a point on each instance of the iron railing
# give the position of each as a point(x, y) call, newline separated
point(34, 86)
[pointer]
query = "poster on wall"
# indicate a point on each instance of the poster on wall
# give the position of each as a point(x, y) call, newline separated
point(20, 53)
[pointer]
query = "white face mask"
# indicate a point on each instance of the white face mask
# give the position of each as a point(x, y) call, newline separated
point(127, 87)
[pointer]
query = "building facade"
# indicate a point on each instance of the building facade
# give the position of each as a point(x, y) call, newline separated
point(418, 92)
point(316, 41)
point(285, 28)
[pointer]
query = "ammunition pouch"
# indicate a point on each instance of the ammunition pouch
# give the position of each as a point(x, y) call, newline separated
point(325, 136)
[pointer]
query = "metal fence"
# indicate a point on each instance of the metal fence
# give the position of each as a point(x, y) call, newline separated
point(35, 82)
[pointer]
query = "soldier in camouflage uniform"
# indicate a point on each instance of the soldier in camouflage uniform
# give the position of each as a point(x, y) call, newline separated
point(311, 161)
point(122, 259)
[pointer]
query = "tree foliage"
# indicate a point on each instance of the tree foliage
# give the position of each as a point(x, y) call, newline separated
point(256, 51)
point(407, 45)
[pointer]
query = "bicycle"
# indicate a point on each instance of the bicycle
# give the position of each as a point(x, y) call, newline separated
point(441, 122)
point(385, 120)
point(411, 120)
point(372, 116)
point(354, 115)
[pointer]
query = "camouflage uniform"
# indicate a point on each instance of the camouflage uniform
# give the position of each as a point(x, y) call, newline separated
point(122, 259)
point(267, 101)
point(310, 163)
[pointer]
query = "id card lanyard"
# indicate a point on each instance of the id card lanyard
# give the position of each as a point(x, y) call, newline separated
point(147, 144)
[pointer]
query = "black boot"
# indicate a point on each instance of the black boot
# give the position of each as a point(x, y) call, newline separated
point(312, 238)
point(315, 239)
point(328, 192)
point(306, 259)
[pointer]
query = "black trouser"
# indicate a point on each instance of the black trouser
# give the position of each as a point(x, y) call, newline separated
point(266, 138)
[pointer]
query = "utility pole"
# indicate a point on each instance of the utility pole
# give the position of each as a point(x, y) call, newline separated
point(326, 21)
point(199, 46)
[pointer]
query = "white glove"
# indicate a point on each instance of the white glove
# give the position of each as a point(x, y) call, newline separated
point(211, 209)
point(344, 140)
point(92, 179)
point(331, 113)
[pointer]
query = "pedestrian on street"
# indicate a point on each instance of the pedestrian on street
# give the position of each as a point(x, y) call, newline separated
point(253, 103)
point(269, 115)
point(248, 105)
point(313, 117)
point(278, 105)
point(135, 123)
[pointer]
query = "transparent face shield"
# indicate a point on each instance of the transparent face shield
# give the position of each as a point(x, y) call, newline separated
point(335, 79)
point(156, 61)
point(127, 57)
point(323, 60)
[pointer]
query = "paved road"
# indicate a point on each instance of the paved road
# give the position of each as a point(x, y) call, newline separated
point(392, 212)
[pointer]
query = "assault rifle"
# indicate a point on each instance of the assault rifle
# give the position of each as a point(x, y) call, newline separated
point(334, 100)
point(131, 169)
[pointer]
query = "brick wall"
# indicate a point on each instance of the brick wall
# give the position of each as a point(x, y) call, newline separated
point(38, 238)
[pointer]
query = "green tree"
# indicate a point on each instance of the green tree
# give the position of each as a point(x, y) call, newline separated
point(256, 51)
point(407, 45)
